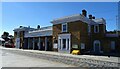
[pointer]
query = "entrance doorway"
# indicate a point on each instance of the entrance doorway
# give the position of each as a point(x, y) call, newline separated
point(64, 43)
point(97, 47)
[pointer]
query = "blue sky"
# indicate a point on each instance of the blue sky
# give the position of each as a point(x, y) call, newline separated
point(32, 14)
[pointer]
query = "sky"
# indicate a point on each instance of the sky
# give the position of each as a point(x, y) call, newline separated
point(32, 14)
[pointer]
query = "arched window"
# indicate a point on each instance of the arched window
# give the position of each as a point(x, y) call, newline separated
point(97, 47)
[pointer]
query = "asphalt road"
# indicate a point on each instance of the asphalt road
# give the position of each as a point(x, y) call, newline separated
point(10, 59)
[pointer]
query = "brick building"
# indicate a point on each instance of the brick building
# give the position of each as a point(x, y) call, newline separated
point(31, 38)
point(87, 34)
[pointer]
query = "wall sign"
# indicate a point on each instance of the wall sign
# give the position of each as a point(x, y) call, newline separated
point(75, 46)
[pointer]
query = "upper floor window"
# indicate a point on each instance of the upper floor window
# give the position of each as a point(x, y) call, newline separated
point(64, 27)
point(96, 28)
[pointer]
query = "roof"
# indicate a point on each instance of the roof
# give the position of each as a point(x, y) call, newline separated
point(23, 29)
point(45, 31)
point(72, 18)
point(99, 21)
point(77, 17)
point(41, 29)
point(38, 34)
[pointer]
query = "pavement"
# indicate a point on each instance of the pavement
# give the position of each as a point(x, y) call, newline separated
point(101, 58)
point(69, 59)
point(15, 60)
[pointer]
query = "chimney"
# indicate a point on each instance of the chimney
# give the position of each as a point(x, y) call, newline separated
point(84, 13)
point(20, 26)
point(38, 26)
point(90, 16)
point(93, 17)
point(28, 26)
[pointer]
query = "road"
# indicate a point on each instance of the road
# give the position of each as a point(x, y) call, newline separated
point(10, 59)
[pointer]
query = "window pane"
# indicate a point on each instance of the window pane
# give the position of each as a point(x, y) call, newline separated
point(96, 28)
point(64, 27)
point(64, 43)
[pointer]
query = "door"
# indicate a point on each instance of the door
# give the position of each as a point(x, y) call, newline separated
point(97, 46)
point(64, 43)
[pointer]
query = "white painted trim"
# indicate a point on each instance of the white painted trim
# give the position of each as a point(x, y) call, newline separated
point(64, 36)
point(97, 41)
point(66, 27)
point(66, 44)
point(61, 44)
point(69, 44)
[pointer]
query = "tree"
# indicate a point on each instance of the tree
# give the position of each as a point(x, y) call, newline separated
point(10, 37)
point(5, 36)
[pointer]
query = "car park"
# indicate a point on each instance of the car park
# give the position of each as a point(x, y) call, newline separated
point(9, 45)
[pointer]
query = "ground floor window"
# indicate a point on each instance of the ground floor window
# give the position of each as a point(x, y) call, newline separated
point(82, 46)
point(112, 45)
point(97, 47)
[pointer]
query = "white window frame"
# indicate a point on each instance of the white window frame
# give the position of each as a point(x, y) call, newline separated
point(95, 29)
point(66, 27)
point(89, 28)
point(64, 36)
